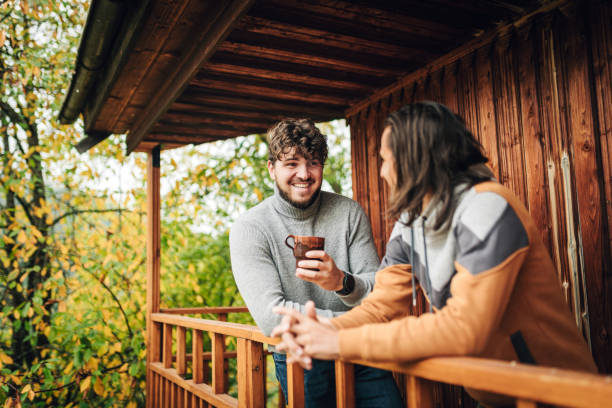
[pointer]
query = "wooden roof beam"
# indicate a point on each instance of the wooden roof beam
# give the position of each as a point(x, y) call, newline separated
point(218, 28)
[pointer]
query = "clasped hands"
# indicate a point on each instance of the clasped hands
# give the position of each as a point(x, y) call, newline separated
point(306, 336)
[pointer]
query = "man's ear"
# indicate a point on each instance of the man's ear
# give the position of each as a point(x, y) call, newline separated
point(271, 170)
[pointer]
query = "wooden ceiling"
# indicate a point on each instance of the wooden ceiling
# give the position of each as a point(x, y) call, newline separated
point(198, 71)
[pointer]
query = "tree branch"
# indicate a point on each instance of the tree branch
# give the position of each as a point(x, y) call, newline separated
point(75, 212)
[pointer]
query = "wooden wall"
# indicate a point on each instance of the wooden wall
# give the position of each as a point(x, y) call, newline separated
point(538, 96)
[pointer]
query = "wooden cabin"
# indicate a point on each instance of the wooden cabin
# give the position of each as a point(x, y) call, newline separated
point(533, 80)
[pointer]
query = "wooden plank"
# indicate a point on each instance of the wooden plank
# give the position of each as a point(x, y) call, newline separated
point(345, 384)
point(526, 404)
point(280, 93)
point(181, 365)
point(600, 14)
point(373, 150)
point(242, 375)
point(167, 346)
point(255, 373)
point(419, 392)
point(591, 236)
point(218, 362)
point(571, 388)
point(205, 310)
point(187, 68)
point(202, 391)
point(197, 361)
point(466, 89)
point(509, 136)
point(485, 109)
point(153, 335)
point(295, 385)
point(287, 77)
point(449, 88)
point(309, 59)
point(531, 128)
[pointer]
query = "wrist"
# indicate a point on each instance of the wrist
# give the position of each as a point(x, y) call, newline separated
point(348, 284)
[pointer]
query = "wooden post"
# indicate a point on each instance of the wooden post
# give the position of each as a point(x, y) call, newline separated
point(345, 384)
point(242, 372)
point(295, 385)
point(218, 376)
point(153, 257)
point(222, 317)
point(419, 392)
point(197, 363)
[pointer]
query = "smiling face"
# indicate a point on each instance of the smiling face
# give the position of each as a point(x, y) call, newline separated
point(298, 179)
point(388, 171)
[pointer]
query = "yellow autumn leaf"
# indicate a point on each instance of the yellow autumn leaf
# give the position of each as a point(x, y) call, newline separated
point(85, 384)
point(5, 359)
point(131, 404)
point(21, 237)
point(2, 38)
point(99, 387)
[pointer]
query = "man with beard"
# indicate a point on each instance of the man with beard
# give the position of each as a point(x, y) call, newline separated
point(336, 279)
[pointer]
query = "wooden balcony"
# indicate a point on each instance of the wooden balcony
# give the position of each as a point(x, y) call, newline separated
point(179, 379)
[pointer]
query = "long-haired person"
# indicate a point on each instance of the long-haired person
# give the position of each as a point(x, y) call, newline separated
point(469, 244)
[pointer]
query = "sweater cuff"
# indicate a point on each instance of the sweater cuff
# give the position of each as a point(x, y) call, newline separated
point(358, 293)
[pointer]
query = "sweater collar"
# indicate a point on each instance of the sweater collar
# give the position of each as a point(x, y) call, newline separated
point(283, 207)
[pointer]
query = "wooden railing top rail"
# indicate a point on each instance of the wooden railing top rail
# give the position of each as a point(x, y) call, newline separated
point(243, 331)
point(543, 384)
point(206, 309)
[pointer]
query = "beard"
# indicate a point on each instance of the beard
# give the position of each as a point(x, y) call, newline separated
point(299, 205)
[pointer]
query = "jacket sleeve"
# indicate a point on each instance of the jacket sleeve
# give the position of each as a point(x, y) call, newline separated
point(490, 254)
point(256, 276)
point(389, 299)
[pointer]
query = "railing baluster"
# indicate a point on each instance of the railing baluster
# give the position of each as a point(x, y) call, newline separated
point(521, 403)
point(222, 317)
point(295, 385)
point(197, 366)
point(181, 344)
point(218, 376)
point(419, 392)
point(243, 374)
point(345, 384)
point(167, 346)
point(256, 374)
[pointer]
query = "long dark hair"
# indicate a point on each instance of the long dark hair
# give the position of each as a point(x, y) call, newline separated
point(434, 152)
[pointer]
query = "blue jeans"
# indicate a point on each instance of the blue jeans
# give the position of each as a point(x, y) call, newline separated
point(374, 388)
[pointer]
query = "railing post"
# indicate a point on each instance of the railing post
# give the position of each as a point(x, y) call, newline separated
point(218, 359)
point(242, 374)
point(419, 392)
point(295, 385)
point(167, 346)
point(181, 365)
point(256, 374)
point(197, 363)
point(222, 317)
point(345, 384)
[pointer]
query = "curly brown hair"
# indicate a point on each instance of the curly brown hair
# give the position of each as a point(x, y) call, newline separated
point(299, 133)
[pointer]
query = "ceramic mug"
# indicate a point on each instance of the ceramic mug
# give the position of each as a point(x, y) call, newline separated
point(303, 244)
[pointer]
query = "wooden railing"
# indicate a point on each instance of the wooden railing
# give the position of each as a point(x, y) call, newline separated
point(173, 385)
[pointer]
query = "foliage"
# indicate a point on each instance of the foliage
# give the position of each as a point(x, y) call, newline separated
point(72, 250)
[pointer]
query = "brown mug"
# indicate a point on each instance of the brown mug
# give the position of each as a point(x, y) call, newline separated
point(303, 244)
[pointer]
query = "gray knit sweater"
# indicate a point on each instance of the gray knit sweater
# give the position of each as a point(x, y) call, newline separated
point(264, 267)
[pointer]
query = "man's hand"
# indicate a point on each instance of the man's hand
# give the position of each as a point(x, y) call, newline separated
point(328, 276)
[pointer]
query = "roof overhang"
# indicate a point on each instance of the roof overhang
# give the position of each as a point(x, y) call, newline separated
point(182, 72)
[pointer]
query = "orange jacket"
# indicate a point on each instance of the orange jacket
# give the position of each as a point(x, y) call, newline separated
point(515, 307)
